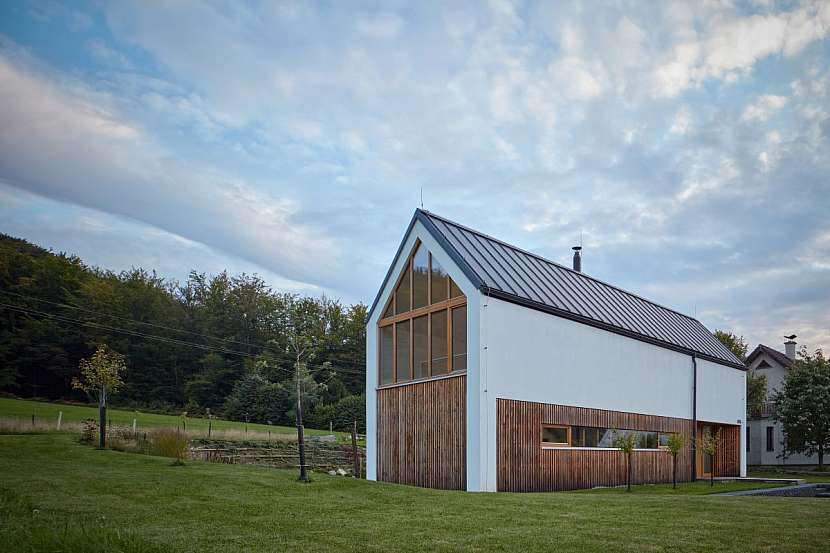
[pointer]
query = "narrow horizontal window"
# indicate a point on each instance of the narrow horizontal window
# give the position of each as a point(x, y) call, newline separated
point(555, 436)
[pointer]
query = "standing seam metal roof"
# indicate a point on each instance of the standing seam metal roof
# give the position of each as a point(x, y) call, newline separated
point(510, 273)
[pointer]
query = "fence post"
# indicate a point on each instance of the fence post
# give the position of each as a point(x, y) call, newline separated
point(60, 417)
point(33, 419)
point(134, 421)
point(355, 452)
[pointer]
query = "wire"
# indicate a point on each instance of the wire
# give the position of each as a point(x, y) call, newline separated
point(173, 341)
point(165, 327)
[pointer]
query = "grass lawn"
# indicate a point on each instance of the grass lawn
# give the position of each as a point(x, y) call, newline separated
point(57, 495)
point(43, 411)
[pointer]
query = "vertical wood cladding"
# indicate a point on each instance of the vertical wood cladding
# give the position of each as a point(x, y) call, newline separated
point(727, 461)
point(422, 434)
point(523, 465)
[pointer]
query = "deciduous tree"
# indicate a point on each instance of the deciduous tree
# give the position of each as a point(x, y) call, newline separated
point(803, 405)
point(100, 377)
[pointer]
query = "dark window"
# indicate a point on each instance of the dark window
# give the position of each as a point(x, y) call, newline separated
point(420, 343)
point(459, 338)
point(555, 435)
point(770, 438)
point(420, 278)
point(587, 436)
point(439, 342)
point(439, 282)
point(455, 291)
point(663, 439)
point(402, 351)
point(402, 304)
point(386, 356)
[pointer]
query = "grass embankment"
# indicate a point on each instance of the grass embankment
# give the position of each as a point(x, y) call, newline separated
point(46, 418)
point(57, 495)
point(701, 487)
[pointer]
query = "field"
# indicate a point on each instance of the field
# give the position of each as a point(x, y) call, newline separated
point(57, 495)
point(46, 417)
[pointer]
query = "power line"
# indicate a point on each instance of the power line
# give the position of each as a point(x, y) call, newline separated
point(172, 341)
point(164, 327)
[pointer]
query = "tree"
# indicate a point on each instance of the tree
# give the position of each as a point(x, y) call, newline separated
point(756, 393)
point(802, 405)
point(708, 444)
point(735, 343)
point(625, 442)
point(101, 376)
point(674, 446)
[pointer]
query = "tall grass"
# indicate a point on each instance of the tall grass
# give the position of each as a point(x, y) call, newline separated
point(166, 442)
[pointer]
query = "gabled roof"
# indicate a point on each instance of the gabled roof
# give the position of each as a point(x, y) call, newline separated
point(779, 357)
point(512, 274)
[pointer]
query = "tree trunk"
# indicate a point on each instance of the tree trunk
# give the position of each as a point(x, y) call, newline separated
point(628, 480)
point(674, 472)
point(102, 419)
point(300, 430)
point(820, 459)
point(712, 471)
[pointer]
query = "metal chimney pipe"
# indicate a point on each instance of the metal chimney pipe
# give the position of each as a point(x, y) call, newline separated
point(577, 258)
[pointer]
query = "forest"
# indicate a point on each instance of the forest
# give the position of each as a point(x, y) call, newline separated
point(221, 344)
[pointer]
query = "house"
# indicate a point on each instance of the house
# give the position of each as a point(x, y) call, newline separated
point(491, 368)
point(765, 435)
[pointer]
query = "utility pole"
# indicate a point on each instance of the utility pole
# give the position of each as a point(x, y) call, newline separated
point(300, 431)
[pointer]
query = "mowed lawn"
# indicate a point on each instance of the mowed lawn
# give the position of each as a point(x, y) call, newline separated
point(57, 495)
point(48, 412)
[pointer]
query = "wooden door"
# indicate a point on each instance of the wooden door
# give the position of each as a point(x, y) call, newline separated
point(704, 461)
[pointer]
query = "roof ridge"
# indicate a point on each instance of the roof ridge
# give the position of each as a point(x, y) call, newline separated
point(559, 265)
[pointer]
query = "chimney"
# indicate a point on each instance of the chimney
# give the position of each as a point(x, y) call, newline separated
point(577, 258)
point(789, 346)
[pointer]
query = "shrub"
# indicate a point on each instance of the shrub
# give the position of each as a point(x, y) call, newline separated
point(89, 433)
point(341, 414)
point(166, 442)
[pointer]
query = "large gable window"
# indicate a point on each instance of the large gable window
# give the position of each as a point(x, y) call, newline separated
point(423, 331)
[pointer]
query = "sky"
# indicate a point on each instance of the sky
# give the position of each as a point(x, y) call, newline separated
point(687, 145)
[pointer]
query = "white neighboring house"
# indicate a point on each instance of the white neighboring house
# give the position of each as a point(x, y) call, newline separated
point(490, 368)
point(765, 435)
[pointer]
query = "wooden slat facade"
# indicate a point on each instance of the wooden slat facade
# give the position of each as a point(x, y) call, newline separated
point(523, 465)
point(422, 433)
point(727, 461)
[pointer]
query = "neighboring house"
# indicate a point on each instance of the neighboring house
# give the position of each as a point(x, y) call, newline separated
point(491, 368)
point(765, 435)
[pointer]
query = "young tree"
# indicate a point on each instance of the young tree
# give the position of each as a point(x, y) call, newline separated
point(101, 376)
point(625, 442)
point(674, 446)
point(803, 406)
point(708, 444)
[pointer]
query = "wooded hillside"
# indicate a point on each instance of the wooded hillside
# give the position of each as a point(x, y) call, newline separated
point(217, 342)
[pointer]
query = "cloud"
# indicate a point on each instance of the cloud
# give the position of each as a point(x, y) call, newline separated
point(97, 159)
point(763, 107)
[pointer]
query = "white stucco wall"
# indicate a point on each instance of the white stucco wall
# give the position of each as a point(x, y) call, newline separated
point(420, 233)
point(533, 356)
point(758, 454)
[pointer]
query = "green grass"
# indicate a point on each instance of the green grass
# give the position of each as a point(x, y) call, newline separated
point(48, 412)
point(57, 495)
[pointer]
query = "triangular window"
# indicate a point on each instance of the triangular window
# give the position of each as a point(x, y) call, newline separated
point(423, 331)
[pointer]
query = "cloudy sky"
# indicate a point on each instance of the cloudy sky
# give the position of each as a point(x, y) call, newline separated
point(687, 143)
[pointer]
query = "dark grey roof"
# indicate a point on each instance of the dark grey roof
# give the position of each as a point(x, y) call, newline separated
point(512, 274)
point(781, 358)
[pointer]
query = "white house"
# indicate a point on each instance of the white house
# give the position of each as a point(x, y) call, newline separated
point(765, 435)
point(491, 368)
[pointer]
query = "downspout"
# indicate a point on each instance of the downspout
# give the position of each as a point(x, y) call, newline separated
point(694, 418)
